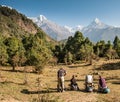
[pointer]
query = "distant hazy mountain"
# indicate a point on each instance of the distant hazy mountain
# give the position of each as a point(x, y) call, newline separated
point(73, 30)
point(96, 30)
point(52, 29)
point(96, 24)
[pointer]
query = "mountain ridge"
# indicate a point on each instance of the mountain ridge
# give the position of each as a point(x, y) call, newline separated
point(96, 30)
point(51, 28)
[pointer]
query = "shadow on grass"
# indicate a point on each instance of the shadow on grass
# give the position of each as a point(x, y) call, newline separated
point(75, 66)
point(110, 66)
point(26, 91)
point(20, 71)
point(9, 82)
point(54, 90)
point(116, 82)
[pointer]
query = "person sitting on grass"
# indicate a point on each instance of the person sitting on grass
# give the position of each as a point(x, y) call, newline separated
point(73, 84)
point(89, 83)
point(102, 87)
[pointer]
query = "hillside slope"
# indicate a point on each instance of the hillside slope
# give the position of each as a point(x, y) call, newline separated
point(13, 23)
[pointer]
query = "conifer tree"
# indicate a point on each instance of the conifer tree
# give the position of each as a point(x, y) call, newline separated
point(3, 51)
point(116, 45)
point(15, 51)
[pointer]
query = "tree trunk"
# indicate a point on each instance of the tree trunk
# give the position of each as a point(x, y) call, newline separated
point(13, 67)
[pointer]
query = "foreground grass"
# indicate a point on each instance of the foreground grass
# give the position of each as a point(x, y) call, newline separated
point(13, 89)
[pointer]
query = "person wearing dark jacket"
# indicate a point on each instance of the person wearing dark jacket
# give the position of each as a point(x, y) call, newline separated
point(60, 75)
point(74, 85)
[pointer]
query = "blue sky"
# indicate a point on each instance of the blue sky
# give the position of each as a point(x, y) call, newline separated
point(70, 12)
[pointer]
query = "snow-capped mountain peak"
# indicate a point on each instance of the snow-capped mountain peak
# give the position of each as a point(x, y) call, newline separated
point(54, 30)
point(42, 17)
point(39, 20)
point(97, 21)
point(95, 31)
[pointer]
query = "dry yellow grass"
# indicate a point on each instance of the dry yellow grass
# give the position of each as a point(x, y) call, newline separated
point(12, 88)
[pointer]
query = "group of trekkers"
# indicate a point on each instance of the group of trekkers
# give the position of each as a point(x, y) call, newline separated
point(89, 85)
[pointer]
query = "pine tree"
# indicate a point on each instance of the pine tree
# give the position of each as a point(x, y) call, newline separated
point(15, 51)
point(117, 45)
point(3, 51)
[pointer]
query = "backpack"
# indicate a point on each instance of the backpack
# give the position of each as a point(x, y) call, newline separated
point(89, 88)
point(89, 78)
point(106, 90)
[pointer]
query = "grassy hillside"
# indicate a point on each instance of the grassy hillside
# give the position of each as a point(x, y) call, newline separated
point(13, 23)
point(13, 88)
point(22, 42)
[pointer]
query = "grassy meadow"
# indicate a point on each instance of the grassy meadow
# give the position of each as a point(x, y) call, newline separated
point(27, 86)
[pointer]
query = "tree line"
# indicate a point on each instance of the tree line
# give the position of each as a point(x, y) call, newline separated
point(80, 48)
point(29, 50)
point(34, 50)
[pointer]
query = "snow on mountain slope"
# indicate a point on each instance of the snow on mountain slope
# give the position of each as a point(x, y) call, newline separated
point(96, 30)
point(73, 30)
point(52, 29)
point(95, 24)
